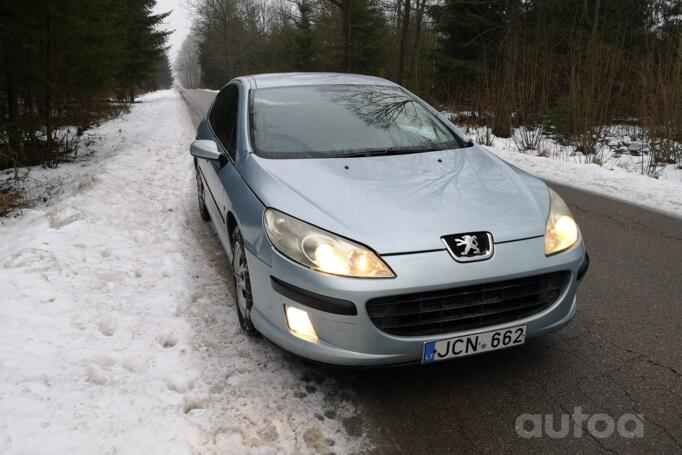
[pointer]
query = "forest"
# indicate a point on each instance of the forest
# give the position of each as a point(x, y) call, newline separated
point(66, 65)
point(519, 68)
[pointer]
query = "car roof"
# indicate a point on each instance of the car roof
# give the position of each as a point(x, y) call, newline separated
point(290, 79)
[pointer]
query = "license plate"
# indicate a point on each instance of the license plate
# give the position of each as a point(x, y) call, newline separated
point(435, 351)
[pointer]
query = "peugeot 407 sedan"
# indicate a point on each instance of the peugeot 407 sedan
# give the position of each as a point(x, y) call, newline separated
point(365, 229)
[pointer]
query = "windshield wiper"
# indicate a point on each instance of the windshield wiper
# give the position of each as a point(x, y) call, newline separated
point(387, 151)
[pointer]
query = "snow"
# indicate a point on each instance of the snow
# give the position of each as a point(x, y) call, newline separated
point(117, 330)
point(619, 177)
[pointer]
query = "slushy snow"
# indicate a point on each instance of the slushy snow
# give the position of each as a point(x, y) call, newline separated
point(118, 333)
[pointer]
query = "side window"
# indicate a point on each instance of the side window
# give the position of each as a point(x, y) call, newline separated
point(217, 115)
point(223, 118)
point(231, 110)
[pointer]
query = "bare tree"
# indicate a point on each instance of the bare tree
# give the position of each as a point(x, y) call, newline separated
point(186, 65)
point(503, 111)
point(416, 44)
point(346, 7)
point(400, 76)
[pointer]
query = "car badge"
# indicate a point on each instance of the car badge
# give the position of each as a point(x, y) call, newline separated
point(469, 246)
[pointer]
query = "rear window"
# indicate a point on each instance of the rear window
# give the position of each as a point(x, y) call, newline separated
point(341, 120)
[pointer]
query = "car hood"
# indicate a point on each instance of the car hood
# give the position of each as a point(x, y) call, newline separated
point(404, 203)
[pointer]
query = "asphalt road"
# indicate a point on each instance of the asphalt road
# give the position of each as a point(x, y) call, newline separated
point(622, 354)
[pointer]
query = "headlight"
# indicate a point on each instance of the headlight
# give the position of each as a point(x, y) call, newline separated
point(321, 250)
point(561, 231)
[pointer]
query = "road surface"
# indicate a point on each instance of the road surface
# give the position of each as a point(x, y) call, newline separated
point(622, 354)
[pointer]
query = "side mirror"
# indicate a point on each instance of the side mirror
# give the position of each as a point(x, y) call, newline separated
point(205, 149)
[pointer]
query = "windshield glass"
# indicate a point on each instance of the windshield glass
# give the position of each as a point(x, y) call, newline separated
point(343, 120)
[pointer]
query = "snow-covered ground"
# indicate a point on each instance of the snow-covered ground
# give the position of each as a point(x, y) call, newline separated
point(117, 330)
point(618, 177)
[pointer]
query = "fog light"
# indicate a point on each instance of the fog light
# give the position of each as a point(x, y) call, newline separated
point(299, 324)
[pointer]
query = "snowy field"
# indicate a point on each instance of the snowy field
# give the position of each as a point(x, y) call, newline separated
point(617, 178)
point(117, 330)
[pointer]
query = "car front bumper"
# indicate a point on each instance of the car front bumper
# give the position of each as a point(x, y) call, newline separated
point(354, 340)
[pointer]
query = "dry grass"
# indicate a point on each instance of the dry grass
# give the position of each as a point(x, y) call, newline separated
point(10, 202)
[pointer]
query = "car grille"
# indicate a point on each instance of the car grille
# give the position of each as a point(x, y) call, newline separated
point(465, 308)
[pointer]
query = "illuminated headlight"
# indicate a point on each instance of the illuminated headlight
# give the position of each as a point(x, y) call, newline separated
point(300, 325)
point(321, 250)
point(561, 231)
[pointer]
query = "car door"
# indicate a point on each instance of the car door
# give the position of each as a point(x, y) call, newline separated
point(222, 120)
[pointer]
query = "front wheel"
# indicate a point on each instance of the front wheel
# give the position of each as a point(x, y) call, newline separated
point(242, 284)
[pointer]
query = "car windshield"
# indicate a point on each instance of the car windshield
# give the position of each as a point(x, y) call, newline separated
point(323, 121)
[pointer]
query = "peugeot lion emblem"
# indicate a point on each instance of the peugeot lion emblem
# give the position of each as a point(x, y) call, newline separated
point(469, 247)
point(470, 243)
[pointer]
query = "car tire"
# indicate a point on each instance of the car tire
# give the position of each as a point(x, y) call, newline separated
point(242, 284)
point(203, 210)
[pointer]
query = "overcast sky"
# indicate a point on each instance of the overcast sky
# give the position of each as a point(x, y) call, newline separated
point(179, 20)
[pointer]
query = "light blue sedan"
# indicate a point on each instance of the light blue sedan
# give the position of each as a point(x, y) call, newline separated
point(365, 229)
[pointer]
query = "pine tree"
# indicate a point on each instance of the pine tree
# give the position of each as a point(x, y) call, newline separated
point(143, 45)
point(163, 77)
point(470, 32)
point(369, 46)
point(303, 40)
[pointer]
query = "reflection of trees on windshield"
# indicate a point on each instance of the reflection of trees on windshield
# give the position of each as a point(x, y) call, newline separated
point(345, 119)
point(378, 108)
